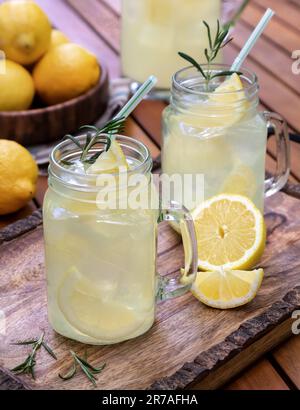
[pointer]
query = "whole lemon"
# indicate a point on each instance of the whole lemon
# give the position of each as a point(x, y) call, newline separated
point(17, 88)
point(65, 72)
point(18, 176)
point(25, 31)
point(57, 38)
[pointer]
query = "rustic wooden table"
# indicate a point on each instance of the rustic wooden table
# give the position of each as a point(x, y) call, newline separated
point(96, 25)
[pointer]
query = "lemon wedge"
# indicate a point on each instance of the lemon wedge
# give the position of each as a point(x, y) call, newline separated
point(226, 289)
point(109, 161)
point(85, 306)
point(231, 100)
point(230, 233)
point(230, 91)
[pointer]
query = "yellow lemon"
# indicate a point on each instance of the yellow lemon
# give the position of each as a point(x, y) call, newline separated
point(227, 289)
point(230, 233)
point(18, 176)
point(17, 88)
point(58, 38)
point(65, 72)
point(25, 31)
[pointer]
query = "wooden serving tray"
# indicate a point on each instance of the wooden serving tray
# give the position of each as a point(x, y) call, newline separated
point(189, 346)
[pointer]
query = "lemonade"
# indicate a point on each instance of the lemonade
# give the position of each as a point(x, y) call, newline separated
point(219, 134)
point(101, 264)
point(153, 31)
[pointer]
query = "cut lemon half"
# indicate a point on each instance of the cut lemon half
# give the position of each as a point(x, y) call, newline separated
point(109, 161)
point(84, 305)
point(227, 289)
point(230, 233)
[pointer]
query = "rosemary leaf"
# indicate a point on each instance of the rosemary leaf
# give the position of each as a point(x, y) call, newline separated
point(208, 34)
point(70, 374)
point(89, 366)
point(49, 350)
point(65, 162)
point(89, 127)
point(220, 41)
point(72, 138)
point(27, 367)
point(93, 158)
point(26, 342)
point(85, 366)
point(225, 74)
point(227, 42)
point(192, 61)
point(95, 135)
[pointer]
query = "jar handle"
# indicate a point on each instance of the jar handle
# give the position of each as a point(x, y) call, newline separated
point(171, 288)
point(277, 125)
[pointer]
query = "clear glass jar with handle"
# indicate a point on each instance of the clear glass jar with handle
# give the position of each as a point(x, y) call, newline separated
point(101, 260)
point(223, 136)
point(153, 31)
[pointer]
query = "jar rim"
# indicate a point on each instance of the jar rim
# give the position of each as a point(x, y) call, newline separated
point(248, 75)
point(56, 169)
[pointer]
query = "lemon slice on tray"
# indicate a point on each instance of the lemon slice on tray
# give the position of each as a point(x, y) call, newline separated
point(227, 289)
point(230, 233)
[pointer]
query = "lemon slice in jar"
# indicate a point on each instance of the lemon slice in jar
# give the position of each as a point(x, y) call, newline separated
point(87, 308)
point(109, 161)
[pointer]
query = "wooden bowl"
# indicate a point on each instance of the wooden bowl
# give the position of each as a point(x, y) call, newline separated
point(41, 125)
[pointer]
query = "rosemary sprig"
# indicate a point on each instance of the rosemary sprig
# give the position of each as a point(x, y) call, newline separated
point(215, 45)
point(85, 366)
point(27, 367)
point(93, 136)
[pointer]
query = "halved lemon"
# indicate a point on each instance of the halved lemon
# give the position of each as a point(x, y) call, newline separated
point(110, 161)
point(227, 289)
point(84, 305)
point(230, 233)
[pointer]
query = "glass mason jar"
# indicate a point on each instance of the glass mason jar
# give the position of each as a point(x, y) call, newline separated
point(222, 136)
point(154, 31)
point(101, 260)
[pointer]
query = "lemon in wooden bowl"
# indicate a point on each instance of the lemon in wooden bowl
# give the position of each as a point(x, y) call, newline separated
point(25, 31)
point(17, 88)
point(57, 39)
point(65, 72)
